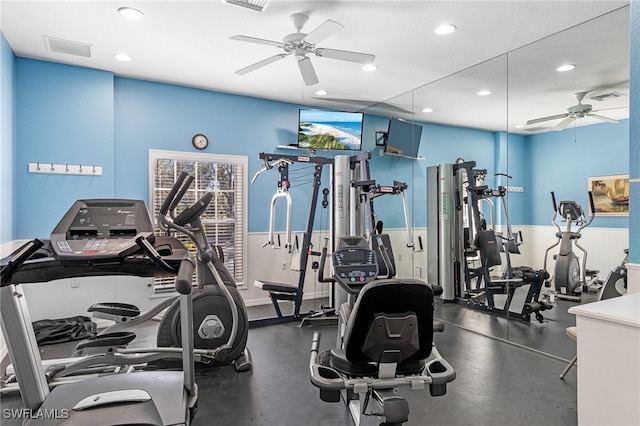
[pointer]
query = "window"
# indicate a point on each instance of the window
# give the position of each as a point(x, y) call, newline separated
point(225, 218)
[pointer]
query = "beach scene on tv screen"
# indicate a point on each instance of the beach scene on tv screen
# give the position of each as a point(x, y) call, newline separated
point(330, 130)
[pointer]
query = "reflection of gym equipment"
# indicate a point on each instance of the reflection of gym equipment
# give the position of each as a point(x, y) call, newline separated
point(616, 283)
point(568, 277)
point(384, 342)
point(109, 244)
point(455, 244)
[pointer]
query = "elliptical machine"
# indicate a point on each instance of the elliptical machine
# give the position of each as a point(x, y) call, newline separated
point(569, 277)
point(219, 314)
point(616, 283)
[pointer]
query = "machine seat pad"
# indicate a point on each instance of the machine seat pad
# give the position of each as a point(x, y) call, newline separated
point(115, 308)
point(338, 360)
point(273, 287)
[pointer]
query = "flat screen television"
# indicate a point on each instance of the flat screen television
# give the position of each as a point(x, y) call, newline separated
point(403, 138)
point(321, 129)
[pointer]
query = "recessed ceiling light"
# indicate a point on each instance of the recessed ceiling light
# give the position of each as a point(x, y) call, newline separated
point(427, 110)
point(123, 57)
point(130, 13)
point(369, 67)
point(565, 67)
point(322, 92)
point(519, 126)
point(484, 92)
point(445, 29)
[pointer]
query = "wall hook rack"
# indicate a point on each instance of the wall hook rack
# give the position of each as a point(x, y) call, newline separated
point(65, 169)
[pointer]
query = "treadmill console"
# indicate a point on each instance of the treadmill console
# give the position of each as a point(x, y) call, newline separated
point(354, 264)
point(101, 230)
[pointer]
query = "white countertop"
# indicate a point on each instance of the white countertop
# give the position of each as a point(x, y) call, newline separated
point(622, 310)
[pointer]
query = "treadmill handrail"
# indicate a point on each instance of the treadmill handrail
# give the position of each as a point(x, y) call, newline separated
point(23, 254)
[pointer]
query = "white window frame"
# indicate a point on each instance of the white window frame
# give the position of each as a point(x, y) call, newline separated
point(241, 195)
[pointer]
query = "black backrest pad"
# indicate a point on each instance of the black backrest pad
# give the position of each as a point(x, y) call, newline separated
point(394, 296)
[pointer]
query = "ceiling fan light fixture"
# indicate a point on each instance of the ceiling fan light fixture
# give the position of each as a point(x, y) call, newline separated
point(369, 67)
point(445, 29)
point(565, 67)
point(130, 13)
point(123, 57)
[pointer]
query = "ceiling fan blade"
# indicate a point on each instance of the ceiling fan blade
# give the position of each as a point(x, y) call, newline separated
point(261, 64)
point(549, 118)
point(257, 40)
point(308, 73)
point(345, 55)
point(600, 117)
point(325, 30)
point(564, 123)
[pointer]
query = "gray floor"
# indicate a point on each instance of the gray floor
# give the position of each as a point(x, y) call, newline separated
point(497, 383)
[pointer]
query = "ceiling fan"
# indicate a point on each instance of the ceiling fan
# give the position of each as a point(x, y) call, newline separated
point(577, 111)
point(300, 44)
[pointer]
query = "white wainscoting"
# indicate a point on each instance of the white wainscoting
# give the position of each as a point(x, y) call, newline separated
point(65, 298)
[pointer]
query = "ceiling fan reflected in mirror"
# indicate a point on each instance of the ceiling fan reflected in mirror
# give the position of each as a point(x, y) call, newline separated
point(300, 44)
point(573, 113)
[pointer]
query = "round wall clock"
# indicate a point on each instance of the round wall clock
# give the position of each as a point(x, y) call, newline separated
point(200, 141)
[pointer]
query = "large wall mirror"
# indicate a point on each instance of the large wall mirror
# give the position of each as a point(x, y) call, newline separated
point(496, 131)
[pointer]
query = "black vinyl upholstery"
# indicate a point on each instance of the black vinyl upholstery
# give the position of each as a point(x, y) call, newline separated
point(393, 297)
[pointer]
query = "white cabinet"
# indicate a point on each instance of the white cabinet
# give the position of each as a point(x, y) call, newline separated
point(609, 361)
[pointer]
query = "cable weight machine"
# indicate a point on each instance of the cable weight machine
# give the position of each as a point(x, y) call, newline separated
point(458, 238)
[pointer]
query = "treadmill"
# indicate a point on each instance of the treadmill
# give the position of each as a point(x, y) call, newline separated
point(99, 237)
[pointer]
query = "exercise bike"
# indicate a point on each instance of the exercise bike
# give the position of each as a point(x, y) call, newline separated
point(219, 314)
point(616, 283)
point(569, 277)
point(385, 340)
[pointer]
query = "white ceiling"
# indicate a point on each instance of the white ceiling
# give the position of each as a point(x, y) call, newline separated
point(187, 43)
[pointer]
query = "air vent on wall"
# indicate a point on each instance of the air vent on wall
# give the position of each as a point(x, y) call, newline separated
point(251, 4)
point(605, 96)
point(68, 47)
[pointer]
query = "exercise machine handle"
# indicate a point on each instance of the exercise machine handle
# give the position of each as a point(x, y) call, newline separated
point(181, 193)
point(553, 199)
point(172, 194)
point(384, 252)
point(193, 213)
point(184, 278)
point(281, 193)
point(153, 254)
point(23, 254)
point(323, 258)
point(592, 205)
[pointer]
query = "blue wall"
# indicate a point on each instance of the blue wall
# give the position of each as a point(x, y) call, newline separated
point(67, 114)
point(7, 140)
point(563, 161)
point(64, 115)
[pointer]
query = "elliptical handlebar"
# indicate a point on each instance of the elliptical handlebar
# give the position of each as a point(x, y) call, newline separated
point(591, 216)
point(168, 202)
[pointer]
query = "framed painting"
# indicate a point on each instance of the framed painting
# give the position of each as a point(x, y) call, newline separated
point(610, 195)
